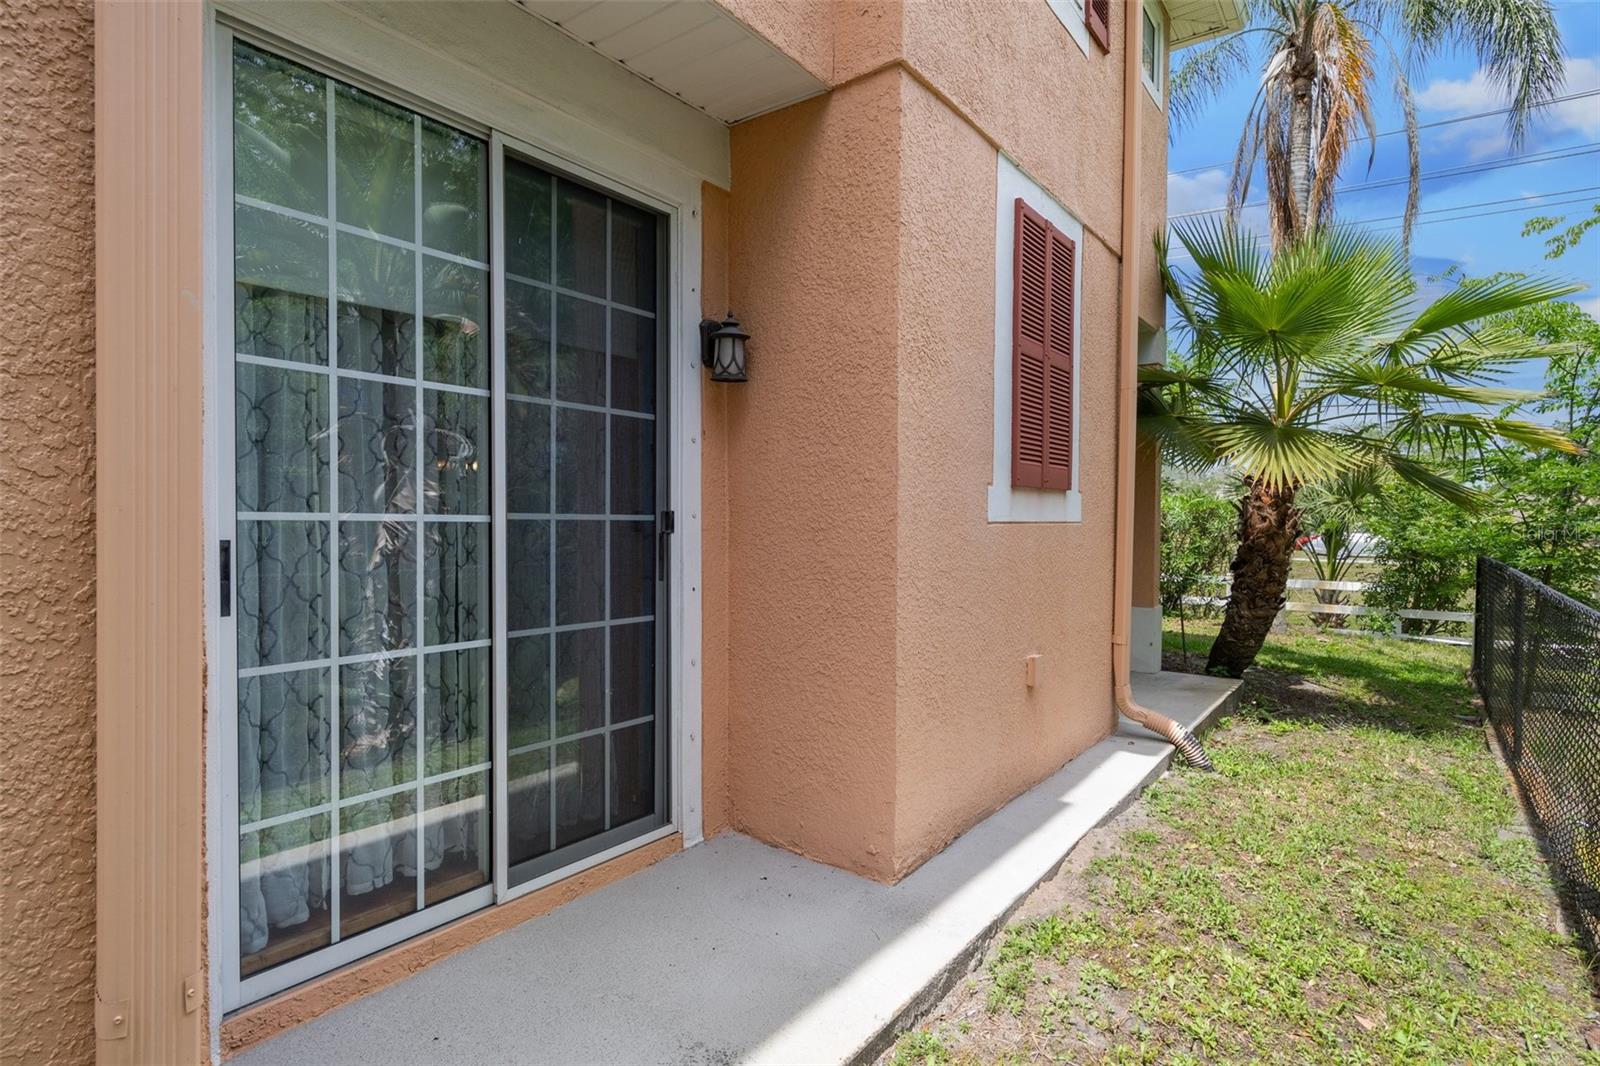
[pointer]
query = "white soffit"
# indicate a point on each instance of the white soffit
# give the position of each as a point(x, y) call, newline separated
point(1194, 21)
point(694, 49)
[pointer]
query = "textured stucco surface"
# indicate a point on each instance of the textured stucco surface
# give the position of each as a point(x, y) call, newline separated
point(47, 589)
point(808, 455)
point(714, 711)
point(878, 623)
point(811, 477)
point(975, 598)
point(1013, 69)
point(1147, 524)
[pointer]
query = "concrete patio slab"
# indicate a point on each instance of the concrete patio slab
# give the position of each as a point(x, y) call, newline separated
point(738, 952)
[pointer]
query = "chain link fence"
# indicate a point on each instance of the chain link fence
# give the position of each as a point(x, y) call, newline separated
point(1536, 658)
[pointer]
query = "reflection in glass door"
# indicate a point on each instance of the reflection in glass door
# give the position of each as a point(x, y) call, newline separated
point(361, 422)
point(583, 454)
point(369, 369)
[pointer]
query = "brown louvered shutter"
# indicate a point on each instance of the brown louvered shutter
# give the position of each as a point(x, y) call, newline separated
point(1029, 324)
point(1097, 16)
point(1058, 363)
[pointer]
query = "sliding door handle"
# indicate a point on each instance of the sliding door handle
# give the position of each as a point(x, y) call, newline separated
point(668, 524)
point(225, 577)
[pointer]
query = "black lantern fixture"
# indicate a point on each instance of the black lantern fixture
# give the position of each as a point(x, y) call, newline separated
point(722, 348)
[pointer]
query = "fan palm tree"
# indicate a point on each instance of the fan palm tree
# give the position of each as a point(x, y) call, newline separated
point(1310, 363)
point(1320, 61)
point(1330, 518)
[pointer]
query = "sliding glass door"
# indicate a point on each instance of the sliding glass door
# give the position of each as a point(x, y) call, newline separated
point(384, 649)
point(584, 480)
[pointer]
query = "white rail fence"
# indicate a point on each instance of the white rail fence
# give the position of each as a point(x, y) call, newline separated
point(1348, 610)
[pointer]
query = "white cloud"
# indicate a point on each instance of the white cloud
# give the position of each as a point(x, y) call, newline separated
point(1590, 307)
point(1205, 191)
point(1445, 97)
point(1208, 191)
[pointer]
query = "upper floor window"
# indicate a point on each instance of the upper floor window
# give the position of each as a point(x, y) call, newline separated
point(1152, 52)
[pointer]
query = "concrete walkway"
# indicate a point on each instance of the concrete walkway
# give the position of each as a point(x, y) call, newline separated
point(737, 952)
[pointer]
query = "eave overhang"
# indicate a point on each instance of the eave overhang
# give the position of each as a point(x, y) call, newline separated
point(1194, 21)
point(694, 49)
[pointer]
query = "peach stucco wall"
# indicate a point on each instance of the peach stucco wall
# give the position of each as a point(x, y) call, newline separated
point(1147, 525)
point(864, 625)
point(812, 476)
point(974, 598)
point(47, 558)
point(878, 623)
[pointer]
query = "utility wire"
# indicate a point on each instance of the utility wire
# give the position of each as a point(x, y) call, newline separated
point(1502, 211)
point(1484, 203)
point(1420, 126)
point(1464, 207)
point(1549, 156)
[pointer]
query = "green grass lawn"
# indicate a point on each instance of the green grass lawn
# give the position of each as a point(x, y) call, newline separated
point(1354, 884)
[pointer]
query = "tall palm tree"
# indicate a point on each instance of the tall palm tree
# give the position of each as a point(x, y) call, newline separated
point(1319, 62)
point(1310, 363)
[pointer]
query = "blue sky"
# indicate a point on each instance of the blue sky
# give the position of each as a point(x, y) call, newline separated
point(1200, 160)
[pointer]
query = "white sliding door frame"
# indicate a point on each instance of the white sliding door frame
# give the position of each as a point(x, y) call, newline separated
point(611, 165)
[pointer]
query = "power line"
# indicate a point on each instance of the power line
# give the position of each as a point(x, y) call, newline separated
point(1421, 126)
point(1467, 207)
point(1483, 203)
point(1502, 211)
point(1548, 156)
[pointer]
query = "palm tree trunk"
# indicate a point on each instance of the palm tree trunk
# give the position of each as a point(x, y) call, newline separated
point(1268, 524)
point(1300, 156)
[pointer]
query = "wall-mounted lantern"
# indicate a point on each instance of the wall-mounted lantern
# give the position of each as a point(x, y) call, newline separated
point(722, 348)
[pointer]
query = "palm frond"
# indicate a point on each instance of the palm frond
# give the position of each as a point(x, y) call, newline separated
point(1319, 296)
point(1529, 434)
point(1469, 303)
point(1185, 440)
point(1185, 378)
point(1516, 41)
point(1430, 480)
point(1339, 501)
point(1408, 108)
point(1343, 102)
point(1479, 355)
point(1203, 74)
point(1426, 433)
point(1281, 455)
point(1393, 384)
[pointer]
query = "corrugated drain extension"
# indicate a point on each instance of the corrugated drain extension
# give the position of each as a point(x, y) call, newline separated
point(1188, 746)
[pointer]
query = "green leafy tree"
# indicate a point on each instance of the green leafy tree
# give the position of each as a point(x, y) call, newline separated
point(1563, 241)
point(1546, 518)
point(1308, 363)
point(1548, 505)
point(1318, 62)
point(1427, 552)
point(1197, 533)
